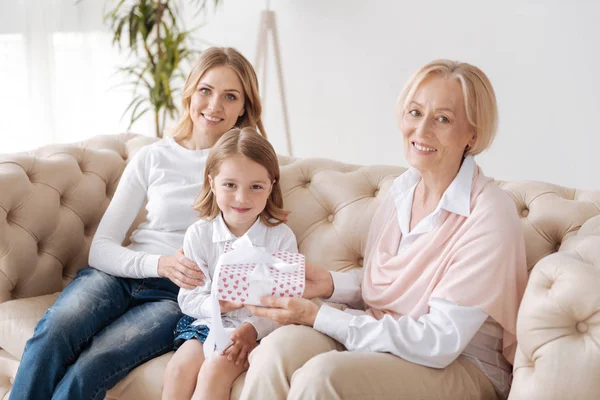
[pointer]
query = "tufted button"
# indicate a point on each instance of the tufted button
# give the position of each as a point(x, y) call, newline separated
point(360, 262)
point(376, 192)
point(306, 183)
point(557, 247)
point(581, 327)
point(525, 212)
point(330, 218)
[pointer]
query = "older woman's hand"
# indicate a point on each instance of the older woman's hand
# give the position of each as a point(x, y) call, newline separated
point(180, 270)
point(318, 282)
point(287, 310)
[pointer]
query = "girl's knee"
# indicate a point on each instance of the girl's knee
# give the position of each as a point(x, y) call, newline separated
point(213, 369)
point(185, 364)
point(216, 378)
point(179, 370)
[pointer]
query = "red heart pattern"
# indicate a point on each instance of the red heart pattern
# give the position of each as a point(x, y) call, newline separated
point(285, 284)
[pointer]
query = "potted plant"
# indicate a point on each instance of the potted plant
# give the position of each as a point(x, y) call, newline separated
point(158, 43)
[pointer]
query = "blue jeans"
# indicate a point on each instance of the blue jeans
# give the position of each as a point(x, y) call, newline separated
point(100, 328)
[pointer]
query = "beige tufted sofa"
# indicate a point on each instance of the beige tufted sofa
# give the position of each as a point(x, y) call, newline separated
point(52, 199)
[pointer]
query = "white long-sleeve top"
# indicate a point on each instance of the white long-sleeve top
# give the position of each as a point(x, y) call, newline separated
point(204, 243)
point(437, 338)
point(169, 177)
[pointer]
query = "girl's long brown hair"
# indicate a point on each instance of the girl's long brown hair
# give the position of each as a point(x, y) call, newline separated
point(249, 143)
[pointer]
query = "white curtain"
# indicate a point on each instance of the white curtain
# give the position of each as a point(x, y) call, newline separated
point(58, 76)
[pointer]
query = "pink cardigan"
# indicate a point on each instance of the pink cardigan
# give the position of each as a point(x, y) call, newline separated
point(475, 261)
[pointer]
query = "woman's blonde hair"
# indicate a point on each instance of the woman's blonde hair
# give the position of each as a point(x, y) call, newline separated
point(478, 93)
point(248, 143)
point(215, 57)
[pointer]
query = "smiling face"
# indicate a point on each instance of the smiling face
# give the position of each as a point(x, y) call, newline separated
point(241, 189)
point(216, 104)
point(435, 126)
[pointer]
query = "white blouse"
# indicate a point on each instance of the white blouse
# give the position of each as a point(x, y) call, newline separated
point(204, 243)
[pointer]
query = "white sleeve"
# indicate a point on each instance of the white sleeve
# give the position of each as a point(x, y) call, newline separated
point(287, 239)
point(347, 288)
point(106, 252)
point(434, 340)
point(196, 302)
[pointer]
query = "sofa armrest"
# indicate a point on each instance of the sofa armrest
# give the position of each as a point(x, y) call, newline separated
point(558, 326)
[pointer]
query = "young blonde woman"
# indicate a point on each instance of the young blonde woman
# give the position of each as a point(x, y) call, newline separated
point(121, 310)
point(443, 277)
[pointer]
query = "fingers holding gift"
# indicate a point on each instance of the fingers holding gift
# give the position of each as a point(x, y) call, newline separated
point(319, 282)
point(287, 310)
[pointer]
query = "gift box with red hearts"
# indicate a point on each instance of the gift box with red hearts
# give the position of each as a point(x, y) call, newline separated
point(246, 283)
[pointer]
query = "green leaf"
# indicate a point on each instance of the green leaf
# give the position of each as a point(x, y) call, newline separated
point(156, 73)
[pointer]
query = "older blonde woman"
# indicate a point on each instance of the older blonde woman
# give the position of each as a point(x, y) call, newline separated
point(444, 274)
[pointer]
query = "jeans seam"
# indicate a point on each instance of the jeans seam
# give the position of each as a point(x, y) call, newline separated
point(139, 287)
point(151, 355)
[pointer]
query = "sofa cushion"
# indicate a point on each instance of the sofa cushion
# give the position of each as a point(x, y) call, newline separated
point(144, 382)
point(18, 319)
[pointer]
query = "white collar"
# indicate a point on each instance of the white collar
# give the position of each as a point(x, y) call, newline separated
point(457, 197)
point(221, 232)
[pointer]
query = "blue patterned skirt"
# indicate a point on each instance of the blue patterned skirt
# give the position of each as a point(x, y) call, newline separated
point(186, 331)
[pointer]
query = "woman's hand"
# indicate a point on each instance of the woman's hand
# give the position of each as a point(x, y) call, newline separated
point(287, 310)
point(318, 282)
point(227, 306)
point(180, 270)
point(244, 341)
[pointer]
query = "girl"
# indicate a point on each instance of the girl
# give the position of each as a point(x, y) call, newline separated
point(82, 346)
point(240, 196)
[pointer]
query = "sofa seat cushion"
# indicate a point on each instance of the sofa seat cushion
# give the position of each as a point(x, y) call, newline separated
point(18, 319)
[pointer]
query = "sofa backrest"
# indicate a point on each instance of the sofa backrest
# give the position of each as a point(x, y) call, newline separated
point(333, 203)
point(52, 199)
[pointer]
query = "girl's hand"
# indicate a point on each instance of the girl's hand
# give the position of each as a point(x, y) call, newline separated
point(287, 310)
point(180, 270)
point(244, 341)
point(227, 306)
point(319, 282)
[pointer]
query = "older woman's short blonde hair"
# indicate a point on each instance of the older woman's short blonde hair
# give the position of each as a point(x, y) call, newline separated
point(478, 93)
point(215, 57)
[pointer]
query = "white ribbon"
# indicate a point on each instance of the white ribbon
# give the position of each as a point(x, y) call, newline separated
point(243, 252)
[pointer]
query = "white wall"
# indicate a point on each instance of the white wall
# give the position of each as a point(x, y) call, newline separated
point(345, 62)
